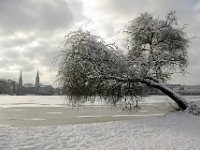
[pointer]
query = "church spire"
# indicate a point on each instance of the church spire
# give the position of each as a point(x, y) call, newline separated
point(20, 79)
point(37, 80)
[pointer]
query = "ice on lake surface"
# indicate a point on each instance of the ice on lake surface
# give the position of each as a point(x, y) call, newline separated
point(31, 101)
point(7, 101)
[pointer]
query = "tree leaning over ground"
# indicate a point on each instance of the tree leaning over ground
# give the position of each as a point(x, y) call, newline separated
point(157, 49)
point(86, 58)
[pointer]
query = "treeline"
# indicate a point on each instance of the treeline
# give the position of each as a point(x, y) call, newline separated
point(7, 86)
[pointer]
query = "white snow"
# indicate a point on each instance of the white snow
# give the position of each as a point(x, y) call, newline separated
point(141, 115)
point(53, 113)
point(15, 110)
point(179, 131)
point(31, 101)
point(89, 116)
point(36, 119)
point(62, 101)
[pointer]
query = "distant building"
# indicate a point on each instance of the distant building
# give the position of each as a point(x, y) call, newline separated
point(20, 80)
point(180, 89)
point(36, 89)
point(20, 85)
point(189, 90)
point(58, 91)
point(37, 80)
point(46, 90)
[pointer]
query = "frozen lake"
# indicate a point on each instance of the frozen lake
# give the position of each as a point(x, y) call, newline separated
point(54, 110)
point(7, 101)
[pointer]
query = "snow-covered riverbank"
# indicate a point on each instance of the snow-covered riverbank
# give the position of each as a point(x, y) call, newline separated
point(146, 129)
point(174, 131)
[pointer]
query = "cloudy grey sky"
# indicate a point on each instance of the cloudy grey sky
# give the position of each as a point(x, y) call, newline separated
point(32, 30)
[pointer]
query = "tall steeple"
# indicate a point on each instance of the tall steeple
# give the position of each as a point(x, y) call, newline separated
point(37, 80)
point(20, 79)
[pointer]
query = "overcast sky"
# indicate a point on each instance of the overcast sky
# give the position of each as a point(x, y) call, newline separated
point(32, 30)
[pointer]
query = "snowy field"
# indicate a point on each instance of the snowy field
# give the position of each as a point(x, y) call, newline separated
point(171, 132)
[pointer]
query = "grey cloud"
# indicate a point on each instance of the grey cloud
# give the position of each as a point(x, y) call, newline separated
point(45, 51)
point(5, 63)
point(127, 10)
point(124, 7)
point(29, 67)
point(43, 24)
point(9, 62)
point(8, 42)
point(11, 54)
point(127, 7)
point(20, 15)
point(30, 32)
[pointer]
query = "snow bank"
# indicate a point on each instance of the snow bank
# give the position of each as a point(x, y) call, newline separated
point(174, 131)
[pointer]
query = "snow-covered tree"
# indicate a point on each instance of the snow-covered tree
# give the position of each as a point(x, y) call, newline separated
point(157, 49)
point(86, 60)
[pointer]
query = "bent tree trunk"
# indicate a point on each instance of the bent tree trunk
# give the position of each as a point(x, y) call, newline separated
point(155, 83)
point(180, 101)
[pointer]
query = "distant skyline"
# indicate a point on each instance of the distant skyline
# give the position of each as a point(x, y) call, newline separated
point(31, 31)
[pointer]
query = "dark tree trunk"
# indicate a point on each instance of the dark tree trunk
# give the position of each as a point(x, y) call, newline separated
point(180, 101)
point(152, 82)
point(155, 83)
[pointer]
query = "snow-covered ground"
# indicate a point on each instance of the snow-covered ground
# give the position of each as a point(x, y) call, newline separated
point(175, 131)
point(172, 132)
